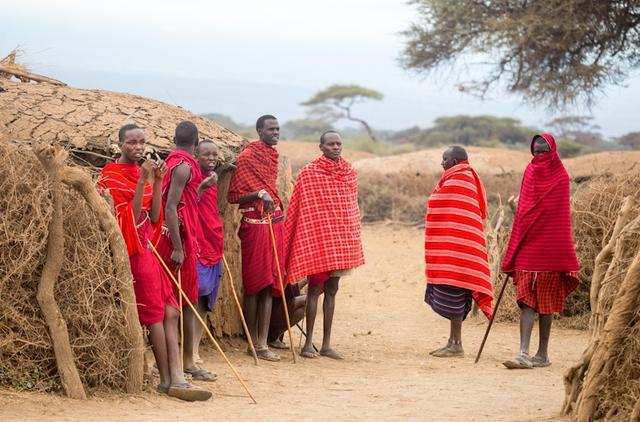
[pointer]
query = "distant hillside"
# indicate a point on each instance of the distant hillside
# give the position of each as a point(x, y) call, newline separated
point(300, 153)
point(603, 162)
point(485, 160)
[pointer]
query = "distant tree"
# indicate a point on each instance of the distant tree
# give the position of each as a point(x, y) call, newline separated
point(335, 103)
point(227, 122)
point(305, 128)
point(630, 140)
point(553, 51)
point(579, 129)
point(470, 130)
point(568, 148)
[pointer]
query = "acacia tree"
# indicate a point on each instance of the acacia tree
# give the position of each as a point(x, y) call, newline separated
point(554, 51)
point(335, 103)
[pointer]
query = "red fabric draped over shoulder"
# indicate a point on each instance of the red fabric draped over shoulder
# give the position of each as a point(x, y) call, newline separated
point(121, 180)
point(322, 228)
point(542, 236)
point(257, 169)
point(455, 243)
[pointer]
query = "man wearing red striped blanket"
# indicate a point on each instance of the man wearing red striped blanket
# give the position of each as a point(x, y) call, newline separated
point(457, 268)
point(322, 234)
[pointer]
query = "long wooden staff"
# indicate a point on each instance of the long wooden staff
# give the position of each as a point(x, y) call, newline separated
point(244, 322)
point(493, 317)
point(181, 321)
point(204, 325)
point(284, 298)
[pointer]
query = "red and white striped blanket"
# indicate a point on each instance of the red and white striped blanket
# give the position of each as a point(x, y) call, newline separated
point(455, 243)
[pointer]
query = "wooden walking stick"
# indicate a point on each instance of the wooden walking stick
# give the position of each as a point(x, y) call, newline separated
point(284, 298)
point(181, 322)
point(204, 325)
point(244, 322)
point(493, 317)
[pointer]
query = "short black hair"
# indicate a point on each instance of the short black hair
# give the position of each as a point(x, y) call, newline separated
point(122, 133)
point(458, 153)
point(328, 132)
point(206, 141)
point(262, 119)
point(186, 133)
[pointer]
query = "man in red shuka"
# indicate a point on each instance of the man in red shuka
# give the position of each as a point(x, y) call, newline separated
point(541, 256)
point(322, 234)
point(136, 193)
point(253, 188)
point(178, 244)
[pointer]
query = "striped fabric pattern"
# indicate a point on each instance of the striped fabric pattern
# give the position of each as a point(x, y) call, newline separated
point(448, 301)
point(455, 243)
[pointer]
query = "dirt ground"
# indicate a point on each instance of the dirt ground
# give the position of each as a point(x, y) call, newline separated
point(385, 332)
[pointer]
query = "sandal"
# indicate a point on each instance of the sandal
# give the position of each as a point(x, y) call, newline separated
point(539, 362)
point(330, 353)
point(521, 361)
point(448, 352)
point(278, 344)
point(201, 374)
point(268, 355)
point(309, 354)
point(189, 392)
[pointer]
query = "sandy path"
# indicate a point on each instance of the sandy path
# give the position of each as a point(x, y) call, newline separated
point(385, 331)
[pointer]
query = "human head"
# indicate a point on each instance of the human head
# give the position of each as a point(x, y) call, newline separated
point(268, 129)
point(453, 155)
point(207, 155)
point(131, 141)
point(186, 134)
point(331, 144)
point(539, 145)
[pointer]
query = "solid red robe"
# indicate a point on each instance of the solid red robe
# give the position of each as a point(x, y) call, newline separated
point(189, 223)
point(151, 285)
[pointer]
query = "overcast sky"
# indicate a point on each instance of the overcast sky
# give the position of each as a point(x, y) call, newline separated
point(248, 57)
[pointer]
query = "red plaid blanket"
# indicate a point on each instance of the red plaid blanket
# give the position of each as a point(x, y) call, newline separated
point(257, 168)
point(322, 228)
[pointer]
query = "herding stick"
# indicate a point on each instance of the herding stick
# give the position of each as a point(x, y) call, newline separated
point(493, 317)
point(284, 299)
point(204, 325)
point(244, 322)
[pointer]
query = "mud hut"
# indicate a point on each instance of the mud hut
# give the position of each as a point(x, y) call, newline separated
point(83, 123)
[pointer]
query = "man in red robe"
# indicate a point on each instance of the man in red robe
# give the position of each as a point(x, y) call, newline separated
point(541, 256)
point(253, 187)
point(178, 244)
point(138, 208)
point(211, 238)
point(457, 267)
point(322, 234)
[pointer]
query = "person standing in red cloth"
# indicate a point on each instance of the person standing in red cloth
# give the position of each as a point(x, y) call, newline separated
point(541, 256)
point(138, 209)
point(178, 244)
point(457, 266)
point(253, 187)
point(211, 238)
point(322, 234)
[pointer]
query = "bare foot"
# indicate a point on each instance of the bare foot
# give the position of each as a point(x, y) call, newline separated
point(330, 353)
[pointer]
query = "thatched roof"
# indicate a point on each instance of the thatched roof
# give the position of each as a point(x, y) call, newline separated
point(89, 120)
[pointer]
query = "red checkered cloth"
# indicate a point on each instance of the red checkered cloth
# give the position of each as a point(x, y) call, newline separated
point(322, 228)
point(545, 291)
point(455, 247)
point(257, 169)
